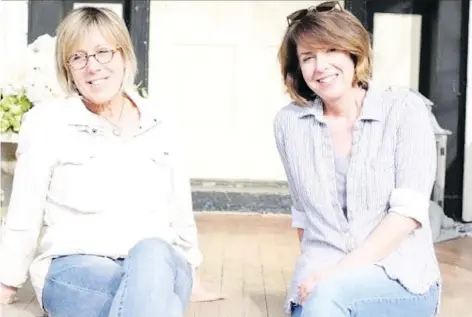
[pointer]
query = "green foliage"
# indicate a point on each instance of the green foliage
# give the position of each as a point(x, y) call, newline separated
point(141, 90)
point(12, 108)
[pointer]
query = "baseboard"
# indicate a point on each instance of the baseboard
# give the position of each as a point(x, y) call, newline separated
point(240, 196)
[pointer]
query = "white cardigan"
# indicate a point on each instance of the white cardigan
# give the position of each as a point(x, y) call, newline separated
point(77, 189)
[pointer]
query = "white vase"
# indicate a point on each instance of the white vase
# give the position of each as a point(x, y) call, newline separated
point(8, 166)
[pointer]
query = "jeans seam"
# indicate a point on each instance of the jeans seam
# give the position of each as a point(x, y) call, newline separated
point(66, 268)
point(415, 297)
point(125, 287)
point(78, 288)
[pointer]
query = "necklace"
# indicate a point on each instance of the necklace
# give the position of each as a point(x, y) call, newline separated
point(116, 128)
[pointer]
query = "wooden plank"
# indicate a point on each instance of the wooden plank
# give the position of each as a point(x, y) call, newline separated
point(250, 258)
point(274, 281)
point(211, 272)
point(232, 278)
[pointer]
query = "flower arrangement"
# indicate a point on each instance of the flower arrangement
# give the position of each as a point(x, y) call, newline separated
point(29, 79)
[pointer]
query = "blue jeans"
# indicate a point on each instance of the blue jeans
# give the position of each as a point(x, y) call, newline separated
point(152, 281)
point(366, 292)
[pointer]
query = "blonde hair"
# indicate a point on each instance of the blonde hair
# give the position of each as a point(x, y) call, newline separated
point(71, 32)
point(338, 29)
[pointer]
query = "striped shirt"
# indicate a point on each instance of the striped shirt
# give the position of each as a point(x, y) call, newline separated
point(391, 168)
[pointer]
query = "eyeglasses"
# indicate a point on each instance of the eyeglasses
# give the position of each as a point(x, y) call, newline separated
point(323, 7)
point(80, 60)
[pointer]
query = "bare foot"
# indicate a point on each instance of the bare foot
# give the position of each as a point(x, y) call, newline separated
point(7, 294)
point(199, 294)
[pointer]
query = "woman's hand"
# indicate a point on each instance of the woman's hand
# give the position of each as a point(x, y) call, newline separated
point(306, 287)
point(7, 294)
point(300, 233)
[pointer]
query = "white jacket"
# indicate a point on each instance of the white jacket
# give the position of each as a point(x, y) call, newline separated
point(77, 189)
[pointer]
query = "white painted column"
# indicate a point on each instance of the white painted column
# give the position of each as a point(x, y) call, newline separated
point(467, 185)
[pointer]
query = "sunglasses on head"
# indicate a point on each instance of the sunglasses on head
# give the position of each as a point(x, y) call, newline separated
point(323, 7)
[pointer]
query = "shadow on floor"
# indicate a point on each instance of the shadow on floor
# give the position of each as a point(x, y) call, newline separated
point(271, 303)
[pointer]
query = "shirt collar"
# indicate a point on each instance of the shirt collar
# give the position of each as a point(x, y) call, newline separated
point(80, 115)
point(371, 109)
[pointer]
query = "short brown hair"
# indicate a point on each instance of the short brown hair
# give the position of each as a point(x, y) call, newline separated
point(73, 29)
point(338, 29)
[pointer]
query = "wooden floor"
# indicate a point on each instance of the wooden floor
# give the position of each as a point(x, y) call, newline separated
point(250, 258)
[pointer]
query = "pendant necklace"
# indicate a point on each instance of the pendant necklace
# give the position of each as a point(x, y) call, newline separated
point(117, 129)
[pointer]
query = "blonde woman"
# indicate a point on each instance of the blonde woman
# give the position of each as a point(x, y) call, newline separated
point(101, 175)
point(360, 162)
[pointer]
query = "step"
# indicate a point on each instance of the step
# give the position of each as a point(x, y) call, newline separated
point(240, 196)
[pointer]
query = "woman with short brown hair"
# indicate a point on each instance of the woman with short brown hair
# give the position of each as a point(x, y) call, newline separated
point(360, 164)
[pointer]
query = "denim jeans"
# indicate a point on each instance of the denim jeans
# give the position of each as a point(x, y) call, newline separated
point(152, 281)
point(366, 292)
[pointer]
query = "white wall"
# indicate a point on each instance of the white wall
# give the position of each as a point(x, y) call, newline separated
point(215, 64)
point(13, 29)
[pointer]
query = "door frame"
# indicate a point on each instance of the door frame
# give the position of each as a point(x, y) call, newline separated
point(45, 15)
point(453, 113)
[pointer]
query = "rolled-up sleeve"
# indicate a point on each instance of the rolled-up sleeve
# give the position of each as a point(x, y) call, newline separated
point(415, 162)
point(298, 214)
point(183, 219)
point(298, 218)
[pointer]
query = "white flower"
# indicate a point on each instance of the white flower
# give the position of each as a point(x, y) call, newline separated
point(32, 74)
point(40, 80)
point(15, 72)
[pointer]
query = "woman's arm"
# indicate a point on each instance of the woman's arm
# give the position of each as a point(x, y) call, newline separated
point(30, 185)
point(391, 232)
point(183, 220)
point(298, 214)
point(415, 169)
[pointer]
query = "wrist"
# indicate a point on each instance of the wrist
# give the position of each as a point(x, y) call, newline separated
point(12, 288)
point(354, 260)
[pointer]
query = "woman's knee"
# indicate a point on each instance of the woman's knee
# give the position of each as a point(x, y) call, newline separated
point(153, 254)
point(152, 247)
point(328, 291)
point(60, 299)
point(343, 287)
point(326, 296)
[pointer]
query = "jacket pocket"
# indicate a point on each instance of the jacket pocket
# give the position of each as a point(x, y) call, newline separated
point(154, 180)
point(79, 182)
point(162, 171)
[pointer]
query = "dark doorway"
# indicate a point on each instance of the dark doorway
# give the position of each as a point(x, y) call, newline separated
point(45, 16)
point(444, 37)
